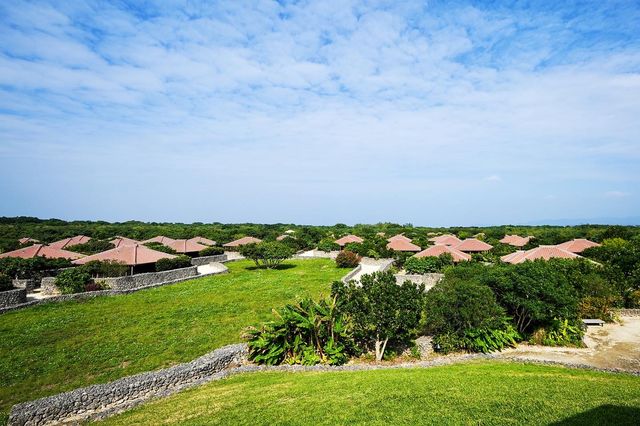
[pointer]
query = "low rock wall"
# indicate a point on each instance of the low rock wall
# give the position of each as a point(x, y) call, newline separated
point(143, 280)
point(28, 284)
point(629, 312)
point(205, 260)
point(351, 274)
point(99, 401)
point(48, 286)
point(12, 297)
point(429, 280)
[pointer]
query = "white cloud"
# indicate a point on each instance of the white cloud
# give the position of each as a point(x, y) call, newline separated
point(616, 194)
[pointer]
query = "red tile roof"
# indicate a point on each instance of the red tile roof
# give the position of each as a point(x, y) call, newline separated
point(399, 237)
point(578, 245)
point(136, 254)
point(447, 240)
point(348, 239)
point(203, 240)
point(159, 239)
point(40, 250)
point(438, 249)
point(515, 240)
point(68, 242)
point(541, 252)
point(123, 241)
point(26, 240)
point(473, 245)
point(282, 237)
point(402, 245)
point(185, 246)
point(243, 241)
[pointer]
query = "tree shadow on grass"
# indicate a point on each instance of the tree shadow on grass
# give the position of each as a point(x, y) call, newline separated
point(281, 267)
point(604, 415)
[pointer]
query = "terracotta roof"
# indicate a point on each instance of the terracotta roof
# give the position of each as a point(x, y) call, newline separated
point(26, 240)
point(185, 246)
point(473, 245)
point(202, 240)
point(40, 250)
point(123, 241)
point(402, 245)
point(578, 245)
point(136, 254)
point(159, 239)
point(348, 239)
point(438, 249)
point(515, 240)
point(243, 241)
point(282, 237)
point(541, 252)
point(447, 240)
point(68, 242)
point(399, 237)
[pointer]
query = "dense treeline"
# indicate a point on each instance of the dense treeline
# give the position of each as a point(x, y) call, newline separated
point(48, 230)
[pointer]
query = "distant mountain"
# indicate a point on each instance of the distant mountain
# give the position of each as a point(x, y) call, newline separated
point(634, 220)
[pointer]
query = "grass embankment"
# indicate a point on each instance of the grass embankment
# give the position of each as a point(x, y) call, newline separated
point(475, 393)
point(57, 347)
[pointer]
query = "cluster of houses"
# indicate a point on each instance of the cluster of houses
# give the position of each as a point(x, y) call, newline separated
point(127, 251)
point(461, 250)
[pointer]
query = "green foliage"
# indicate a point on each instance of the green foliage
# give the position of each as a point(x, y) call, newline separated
point(347, 259)
point(380, 310)
point(107, 268)
point(30, 268)
point(177, 262)
point(559, 333)
point(307, 333)
point(267, 254)
point(160, 247)
point(487, 340)
point(211, 251)
point(6, 283)
point(73, 280)
point(327, 245)
point(425, 265)
point(93, 246)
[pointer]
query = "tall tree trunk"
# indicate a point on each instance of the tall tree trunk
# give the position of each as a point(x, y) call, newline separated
point(381, 345)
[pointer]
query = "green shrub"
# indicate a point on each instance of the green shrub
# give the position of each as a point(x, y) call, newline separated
point(559, 333)
point(160, 247)
point(93, 246)
point(73, 280)
point(328, 245)
point(268, 254)
point(380, 310)
point(306, 333)
point(30, 268)
point(107, 268)
point(178, 262)
point(487, 340)
point(422, 265)
point(211, 251)
point(347, 259)
point(6, 283)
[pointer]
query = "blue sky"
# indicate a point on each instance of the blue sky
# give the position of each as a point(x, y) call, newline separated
point(433, 113)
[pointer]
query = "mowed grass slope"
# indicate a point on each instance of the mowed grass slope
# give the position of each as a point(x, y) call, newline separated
point(477, 393)
point(57, 347)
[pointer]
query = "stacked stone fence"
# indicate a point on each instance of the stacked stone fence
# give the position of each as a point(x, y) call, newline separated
point(129, 282)
point(99, 401)
point(429, 280)
point(629, 312)
point(28, 284)
point(205, 260)
point(12, 297)
point(315, 254)
point(351, 274)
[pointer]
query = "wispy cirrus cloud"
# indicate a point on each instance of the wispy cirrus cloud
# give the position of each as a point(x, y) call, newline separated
point(304, 96)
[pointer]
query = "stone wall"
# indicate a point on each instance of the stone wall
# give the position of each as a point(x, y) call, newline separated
point(150, 278)
point(316, 254)
point(99, 401)
point(629, 312)
point(351, 274)
point(48, 286)
point(28, 284)
point(429, 280)
point(12, 297)
point(204, 260)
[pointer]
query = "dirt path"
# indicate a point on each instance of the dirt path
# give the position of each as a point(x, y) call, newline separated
point(611, 346)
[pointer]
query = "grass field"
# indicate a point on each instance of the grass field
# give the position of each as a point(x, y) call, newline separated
point(57, 347)
point(476, 393)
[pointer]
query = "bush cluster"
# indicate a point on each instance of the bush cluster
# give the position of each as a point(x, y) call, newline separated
point(30, 268)
point(93, 246)
point(6, 283)
point(107, 268)
point(267, 254)
point(177, 262)
point(211, 251)
point(160, 247)
point(425, 265)
point(73, 280)
point(347, 259)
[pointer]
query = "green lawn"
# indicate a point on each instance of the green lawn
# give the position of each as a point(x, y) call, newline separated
point(474, 393)
point(57, 347)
